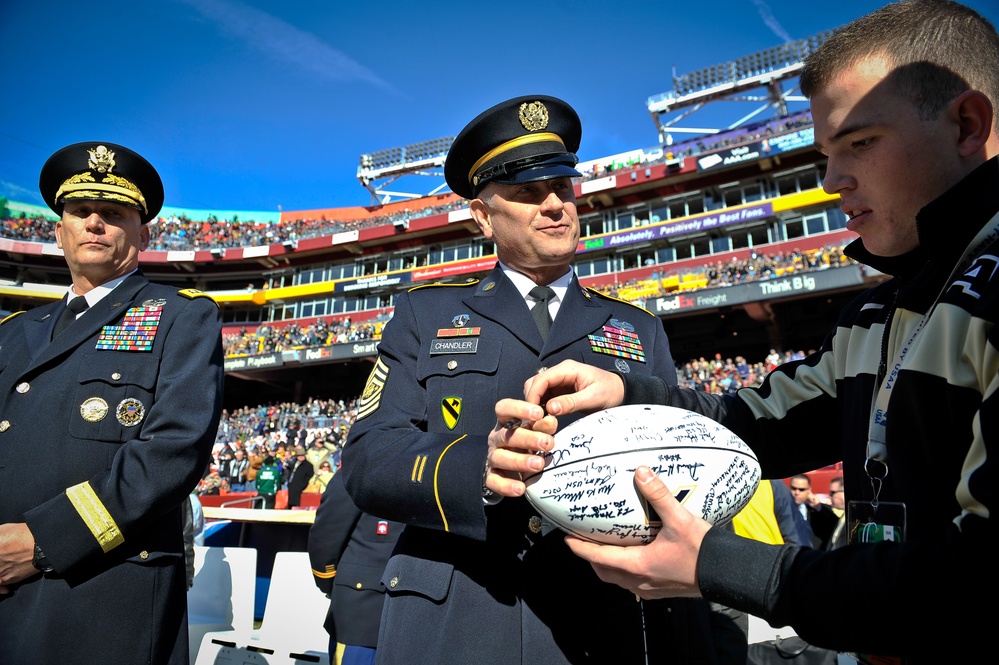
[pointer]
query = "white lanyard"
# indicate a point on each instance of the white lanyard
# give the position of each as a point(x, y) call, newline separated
point(876, 437)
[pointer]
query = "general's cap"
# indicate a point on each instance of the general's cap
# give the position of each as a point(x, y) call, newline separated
point(520, 140)
point(101, 171)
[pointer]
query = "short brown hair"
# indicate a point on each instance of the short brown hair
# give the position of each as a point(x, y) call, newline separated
point(937, 48)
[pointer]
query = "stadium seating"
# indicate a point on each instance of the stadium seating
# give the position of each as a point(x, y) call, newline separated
point(292, 628)
point(221, 598)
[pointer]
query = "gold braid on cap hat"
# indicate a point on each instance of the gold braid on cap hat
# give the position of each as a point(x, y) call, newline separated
point(526, 139)
point(83, 185)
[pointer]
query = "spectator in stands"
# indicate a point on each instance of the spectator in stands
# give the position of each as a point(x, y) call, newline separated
point(801, 492)
point(904, 104)
point(301, 471)
point(255, 453)
point(213, 484)
point(268, 481)
point(320, 479)
point(320, 450)
point(820, 516)
point(837, 499)
point(237, 470)
point(418, 450)
point(348, 550)
point(87, 542)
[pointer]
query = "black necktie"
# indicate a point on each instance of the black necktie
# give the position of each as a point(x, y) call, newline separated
point(540, 312)
point(75, 307)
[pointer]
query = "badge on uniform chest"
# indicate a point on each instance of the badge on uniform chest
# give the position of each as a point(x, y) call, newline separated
point(459, 339)
point(618, 339)
point(137, 330)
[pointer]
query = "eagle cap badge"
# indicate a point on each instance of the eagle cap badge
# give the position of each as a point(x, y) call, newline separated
point(101, 159)
point(533, 116)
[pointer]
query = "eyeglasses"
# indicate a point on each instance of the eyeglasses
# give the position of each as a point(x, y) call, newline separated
point(800, 489)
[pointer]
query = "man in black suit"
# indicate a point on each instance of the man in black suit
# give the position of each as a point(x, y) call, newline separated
point(122, 389)
point(348, 550)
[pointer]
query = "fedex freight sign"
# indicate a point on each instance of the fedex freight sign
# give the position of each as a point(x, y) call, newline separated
point(760, 290)
point(703, 222)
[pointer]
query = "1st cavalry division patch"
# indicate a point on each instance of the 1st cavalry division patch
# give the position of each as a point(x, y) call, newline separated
point(451, 410)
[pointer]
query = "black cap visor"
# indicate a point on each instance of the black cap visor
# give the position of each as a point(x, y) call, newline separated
point(529, 170)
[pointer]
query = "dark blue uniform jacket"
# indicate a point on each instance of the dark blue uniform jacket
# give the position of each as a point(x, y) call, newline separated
point(493, 584)
point(98, 450)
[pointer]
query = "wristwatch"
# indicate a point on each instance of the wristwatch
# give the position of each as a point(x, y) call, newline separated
point(40, 562)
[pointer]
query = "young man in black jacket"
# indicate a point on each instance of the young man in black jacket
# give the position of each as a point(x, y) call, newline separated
point(906, 385)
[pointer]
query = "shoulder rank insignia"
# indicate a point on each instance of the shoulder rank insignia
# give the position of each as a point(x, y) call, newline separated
point(607, 297)
point(470, 282)
point(8, 318)
point(195, 293)
point(371, 398)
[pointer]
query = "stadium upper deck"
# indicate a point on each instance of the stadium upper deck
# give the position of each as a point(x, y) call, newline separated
point(666, 214)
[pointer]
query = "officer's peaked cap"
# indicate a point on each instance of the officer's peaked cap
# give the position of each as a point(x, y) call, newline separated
point(101, 171)
point(524, 139)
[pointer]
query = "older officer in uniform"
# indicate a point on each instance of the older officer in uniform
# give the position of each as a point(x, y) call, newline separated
point(108, 410)
point(475, 579)
point(348, 550)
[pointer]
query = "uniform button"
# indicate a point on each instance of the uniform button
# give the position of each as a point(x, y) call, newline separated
point(143, 555)
point(543, 369)
point(394, 582)
point(534, 524)
point(452, 364)
point(116, 376)
point(23, 387)
point(358, 585)
point(4, 425)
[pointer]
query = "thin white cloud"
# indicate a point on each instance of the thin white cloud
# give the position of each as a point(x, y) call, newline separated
point(771, 21)
point(283, 41)
point(14, 192)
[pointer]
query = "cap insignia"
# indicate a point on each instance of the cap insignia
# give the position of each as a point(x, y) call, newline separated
point(533, 116)
point(101, 159)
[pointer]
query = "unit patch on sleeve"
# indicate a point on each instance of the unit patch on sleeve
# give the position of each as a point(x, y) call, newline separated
point(451, 410)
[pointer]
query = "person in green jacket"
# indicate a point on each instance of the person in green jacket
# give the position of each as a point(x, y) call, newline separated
point(268, 479)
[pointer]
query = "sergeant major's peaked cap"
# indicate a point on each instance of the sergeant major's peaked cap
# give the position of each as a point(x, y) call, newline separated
point(524, 139)
point(101, 171)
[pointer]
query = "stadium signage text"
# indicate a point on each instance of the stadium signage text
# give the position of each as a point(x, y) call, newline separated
point(372, 282)
point(696, 224)
point(253, 362)
point(757, 150)
point(832, 278)
point(339, 351)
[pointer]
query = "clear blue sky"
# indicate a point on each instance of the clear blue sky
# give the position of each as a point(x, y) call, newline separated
point(255, 105)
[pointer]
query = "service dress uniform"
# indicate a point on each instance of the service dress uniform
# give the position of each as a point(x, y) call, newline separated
point(474, 580)
point(348, 550)
point(104, 432)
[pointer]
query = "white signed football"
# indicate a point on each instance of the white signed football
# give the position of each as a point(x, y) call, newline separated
point(588, 485)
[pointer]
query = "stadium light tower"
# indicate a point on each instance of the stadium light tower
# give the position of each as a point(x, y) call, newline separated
point(736, 81)
point(380, 169)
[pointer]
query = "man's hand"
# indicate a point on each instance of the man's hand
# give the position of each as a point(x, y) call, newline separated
point(522, 431)
point(17, 547)
point(572, 387)
point(666, 567)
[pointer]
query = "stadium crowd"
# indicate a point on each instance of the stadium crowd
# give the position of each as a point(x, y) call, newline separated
point(319, 426)
point(272, 338)
point(181, 233)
